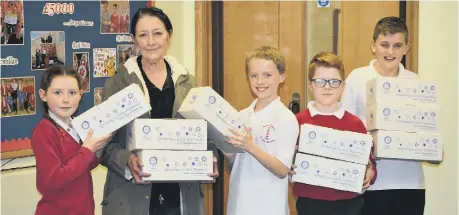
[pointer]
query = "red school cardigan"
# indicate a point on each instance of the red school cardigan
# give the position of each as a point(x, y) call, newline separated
point(63, 172)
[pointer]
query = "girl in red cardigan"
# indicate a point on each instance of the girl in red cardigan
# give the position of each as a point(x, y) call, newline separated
point(63, 161)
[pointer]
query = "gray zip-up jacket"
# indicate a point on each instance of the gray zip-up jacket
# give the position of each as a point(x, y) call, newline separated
point(121, 196)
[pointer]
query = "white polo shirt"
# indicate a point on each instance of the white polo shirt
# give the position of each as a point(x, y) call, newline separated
point(253, 188)
point(392, 174)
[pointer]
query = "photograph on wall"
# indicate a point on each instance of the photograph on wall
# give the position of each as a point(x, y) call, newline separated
point(124, 52)
point(98, 92)
point(12, 19)
point(47, 49)
point(81, 65)
point(18, 96)
point(114, 17)
point(104, 62)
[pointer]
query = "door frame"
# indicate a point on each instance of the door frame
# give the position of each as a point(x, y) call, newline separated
point(409, 11)
point(209, 72)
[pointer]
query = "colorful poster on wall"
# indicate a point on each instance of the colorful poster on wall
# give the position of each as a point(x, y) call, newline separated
point(150, 3)
point(12, 20)
point(114, 17)
point(47, 49)
point(124, 52)
point(98, 92)
point(18, 96)
point(81, 65)
point(104, 62)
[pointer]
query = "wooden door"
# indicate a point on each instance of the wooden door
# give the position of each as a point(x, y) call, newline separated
point(358, 20)
point(248, 25)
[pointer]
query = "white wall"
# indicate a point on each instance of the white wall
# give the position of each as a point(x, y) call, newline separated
point(438, 61)
point(181, 14)
point(20, 196)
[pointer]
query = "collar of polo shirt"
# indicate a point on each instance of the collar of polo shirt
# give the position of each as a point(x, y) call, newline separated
point(313, 111)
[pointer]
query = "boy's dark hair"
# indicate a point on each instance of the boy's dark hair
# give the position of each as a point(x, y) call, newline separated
point(267, 53)
point(48, 76)
point(151, 11)
point(390, 25)
point(325, 59)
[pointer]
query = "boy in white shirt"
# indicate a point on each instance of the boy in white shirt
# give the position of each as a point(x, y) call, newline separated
point(399, 189)
point(258, 182)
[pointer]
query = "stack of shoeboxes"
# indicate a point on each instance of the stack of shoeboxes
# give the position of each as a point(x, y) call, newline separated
point(404, 119)
point(117, 111)
point(171, 149)
point(175, 150)
point(332, 158)
point(206, 104)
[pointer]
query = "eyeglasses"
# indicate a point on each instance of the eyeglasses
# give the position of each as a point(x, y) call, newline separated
point(334, 83)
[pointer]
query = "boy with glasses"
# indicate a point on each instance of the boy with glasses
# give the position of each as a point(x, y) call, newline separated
point(326, 74)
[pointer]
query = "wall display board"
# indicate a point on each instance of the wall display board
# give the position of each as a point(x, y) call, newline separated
point(90, 36)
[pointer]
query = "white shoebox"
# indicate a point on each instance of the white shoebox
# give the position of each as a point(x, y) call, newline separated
point(169, 134)
point(403, 117)
point(331, 143)
point(205, 103)
point(409, 146)
point(324, 172)
point(112, 114)
point(164, 165)
point(401, 89)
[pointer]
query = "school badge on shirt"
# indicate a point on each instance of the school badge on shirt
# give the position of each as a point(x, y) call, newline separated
point(268, 136)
